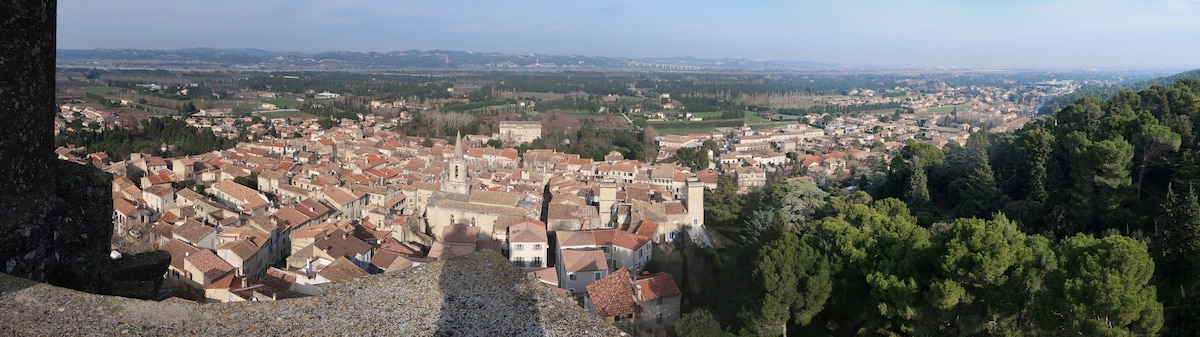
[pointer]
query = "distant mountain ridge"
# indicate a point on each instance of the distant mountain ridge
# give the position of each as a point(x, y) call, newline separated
point(400, 60)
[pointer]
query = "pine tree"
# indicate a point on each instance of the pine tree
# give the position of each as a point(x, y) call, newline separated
point(1177, 238)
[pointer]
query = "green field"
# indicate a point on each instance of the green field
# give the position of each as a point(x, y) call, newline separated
point(767, 125)
point(288, 114)
point(99, 90)
point(751, 117)
point(945, 109)
point(282, 103)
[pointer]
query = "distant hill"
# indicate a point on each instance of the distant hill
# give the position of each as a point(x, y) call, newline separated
point(1108, 91)
point(201, 58)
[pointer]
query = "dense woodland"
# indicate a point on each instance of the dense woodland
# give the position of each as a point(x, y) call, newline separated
point(1086, 223)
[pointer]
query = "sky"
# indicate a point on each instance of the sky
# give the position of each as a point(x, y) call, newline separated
point(1006, 33)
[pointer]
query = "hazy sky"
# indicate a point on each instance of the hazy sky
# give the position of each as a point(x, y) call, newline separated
point(1056, 33)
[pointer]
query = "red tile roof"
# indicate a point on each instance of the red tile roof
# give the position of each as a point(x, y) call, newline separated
point(613, 295)
point(658, 285)
point(178, 250)
point(647, 228)
point(341, 270)
point(209, 264)
point(577, 260)
point(123, 206)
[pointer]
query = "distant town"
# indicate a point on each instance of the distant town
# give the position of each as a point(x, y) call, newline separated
point(301, 199)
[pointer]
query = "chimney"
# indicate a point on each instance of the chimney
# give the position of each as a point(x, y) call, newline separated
point(243, 282)
point(186, 254)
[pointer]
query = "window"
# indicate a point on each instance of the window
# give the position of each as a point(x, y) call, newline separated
point(537, 246)
point(658, 301)
point(572, 277)
point(597, 276)
point(537, 261)
point(518, 247)
point(658, 319)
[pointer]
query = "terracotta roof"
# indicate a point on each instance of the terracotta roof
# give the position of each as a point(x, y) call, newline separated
point(499, 210)
point(395, 246)
point(209, 264)
point(674, 208)
point(657, 285)
point(243, 248)
point(576, 260)
point(441, 251)
point(575, 238)
point(613, 295)
point(238, 191)
point(495, 198)
point(194, 231)
point(629, 240)
point(159, 190)
point(340, 243)
point(492, 245)
point(278, 279)
point(527, 232)
point(163, 229)
point(123, 206)
point(546, 275)
point(339, 196)
point(178, 250)
point(341, 270)
point(562, 211)
point(647, 228)
point(168, 218)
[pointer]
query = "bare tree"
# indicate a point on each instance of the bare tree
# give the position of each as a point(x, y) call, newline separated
point(449, 121)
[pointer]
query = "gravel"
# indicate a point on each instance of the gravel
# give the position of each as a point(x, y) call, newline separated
point(476, 295)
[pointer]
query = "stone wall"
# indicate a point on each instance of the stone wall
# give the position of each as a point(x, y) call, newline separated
point(481, 294)
point(55, 216)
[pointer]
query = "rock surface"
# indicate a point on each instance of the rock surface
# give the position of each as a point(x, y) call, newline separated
point(481, 294)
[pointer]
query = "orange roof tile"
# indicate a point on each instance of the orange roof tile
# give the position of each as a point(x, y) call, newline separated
point(658, 285)
point(613, 295)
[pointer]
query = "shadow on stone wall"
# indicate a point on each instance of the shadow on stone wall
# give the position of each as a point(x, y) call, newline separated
point(513, 311)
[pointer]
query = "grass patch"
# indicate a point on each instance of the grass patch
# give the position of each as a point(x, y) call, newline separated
point(283, 103)
point(99, 90)
point(288, 114)
point(754, 118)
point(767, 125)
point(944, 108)
point(708, 114)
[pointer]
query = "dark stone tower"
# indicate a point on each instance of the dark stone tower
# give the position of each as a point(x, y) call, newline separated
point(56, 215)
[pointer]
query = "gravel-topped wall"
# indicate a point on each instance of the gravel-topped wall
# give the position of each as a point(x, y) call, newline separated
point(481, 294)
